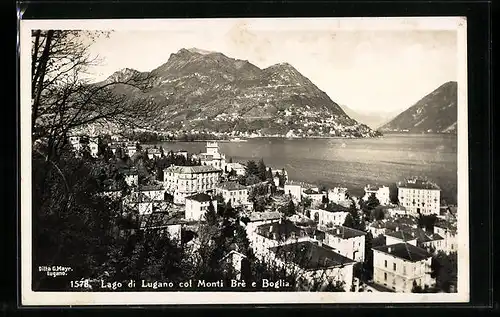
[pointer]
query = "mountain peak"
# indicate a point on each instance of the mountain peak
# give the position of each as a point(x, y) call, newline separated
point(123, 74)
point(199, 51)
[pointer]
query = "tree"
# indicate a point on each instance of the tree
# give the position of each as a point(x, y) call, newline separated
point(444, 269)
point(307, 201)
point(289, 209)
point(252, 169)
point(210, 215)
point(262, 170)
point(63, 100)
point(269, 174)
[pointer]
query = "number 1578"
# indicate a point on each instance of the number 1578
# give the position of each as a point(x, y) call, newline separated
point(80, 284)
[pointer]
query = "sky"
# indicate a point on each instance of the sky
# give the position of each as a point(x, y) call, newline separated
point(368, 67)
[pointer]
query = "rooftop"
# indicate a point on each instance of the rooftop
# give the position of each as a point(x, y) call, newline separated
point(262, 216)
point(310, 256)
point(191, 169)
point(345, 232)
point(417, 183)
point(231, 186)
point(403, 235)
point(147, 188)
point(404, 251)
point(310, 191)
point(201, 197)
point(284, 230)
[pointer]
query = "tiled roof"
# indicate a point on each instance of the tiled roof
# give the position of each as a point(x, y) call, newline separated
point(201, 197)
point(400, 234)
point(231, 186)
point(310, 191)
point(310, 256)
point(404, 251)
point(263, 216)
point(418, 184)
point(192, 169)
point(345, 232)
point(145, 188)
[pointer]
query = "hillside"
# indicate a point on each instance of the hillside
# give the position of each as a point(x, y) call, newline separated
point(435, 113)
point(202, 91)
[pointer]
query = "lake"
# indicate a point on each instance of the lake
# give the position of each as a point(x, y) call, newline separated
point(351, 163)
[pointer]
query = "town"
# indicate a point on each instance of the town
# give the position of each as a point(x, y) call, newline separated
point(315, 238)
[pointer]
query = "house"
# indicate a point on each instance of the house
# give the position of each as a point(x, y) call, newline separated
point(156, 192)
point(197, 205)
point(449, 234)
point(376, 228)
point(401, 266)
point(184, 181)
point(346, 241)
point(396, 211)
point(234, 260)
point(131, 177)
point(400, 236)
point(80, 141)
point(163, 223)
point(153, 153)
point(212, 157)
point(277, 173)
point(238, 168)
point(181, 153)
point(313, 264)
point(294, 190)
point(430, 241)
point(130, 149)
point(419, 196)
point(233, 192)
point(256, 219)
point(338, 194)
point(380, 192)
point(139, 202)
point(324, 217)
point(315, 196)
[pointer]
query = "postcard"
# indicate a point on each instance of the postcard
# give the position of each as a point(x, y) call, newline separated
point(244, 161)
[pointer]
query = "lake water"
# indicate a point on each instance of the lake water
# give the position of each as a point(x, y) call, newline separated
point(351, 163)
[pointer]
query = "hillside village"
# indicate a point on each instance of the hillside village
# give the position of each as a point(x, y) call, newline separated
point(325, 238)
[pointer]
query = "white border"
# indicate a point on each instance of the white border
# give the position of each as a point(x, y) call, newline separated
point(30, 298)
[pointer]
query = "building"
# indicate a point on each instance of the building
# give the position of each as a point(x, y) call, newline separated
point(338, 195)
point(183, 181)
point(234, 260)
point(163, 223)
point(419, 196)
point(80, 142)
point(139, 202)
point(156, 192)
point(346, 241)
point(431, 242)
point(197, 205)
point(181, 153)
point(294, 190)
point(380, 192)
point(256, 219)
point(238, 168)
point(400, 236)
point(131, 177)
point(212, 157)
point(449, 234)
point(130, 149)
point(315, 196)
point(153, 153)
point(325, 218)
point(233, 192)
point(401, 266)
point(314, 264)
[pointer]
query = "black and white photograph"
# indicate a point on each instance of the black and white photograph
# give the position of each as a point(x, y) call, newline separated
point(255, 160)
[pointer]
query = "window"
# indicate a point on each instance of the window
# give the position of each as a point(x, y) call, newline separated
point(394, 266)
point(385, 276)
point(404, 269)
point(385, 263)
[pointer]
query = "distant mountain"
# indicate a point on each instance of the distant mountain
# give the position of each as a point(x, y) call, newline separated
point(372, 119)
point(203, 91)
point(436, 112)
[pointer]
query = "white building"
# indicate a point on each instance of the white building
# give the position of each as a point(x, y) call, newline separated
point(212, 157)
point(294, 190)
point(346, 241)
point(153, 153)
point(79, 142)
point(234, 259)
point(153, 192)
point(324, 217)
point(233, 192)
point(313, 263)
point(399, 266)
point(131, 177)
point(338, 195)
point(315, 196)
point(238, 168)
point(183, 181)
point(131, 149)
point(259, 218)
point(197, 205)
point(449, 233)
point(419, 196)
point(380, 192)
point(400, 236)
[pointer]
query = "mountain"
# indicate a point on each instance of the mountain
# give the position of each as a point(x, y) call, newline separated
point(204, 91)
point(372, 119)
point(436, 112)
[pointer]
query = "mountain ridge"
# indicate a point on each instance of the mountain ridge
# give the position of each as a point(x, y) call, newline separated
point(206, 91)
point(436, 112)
